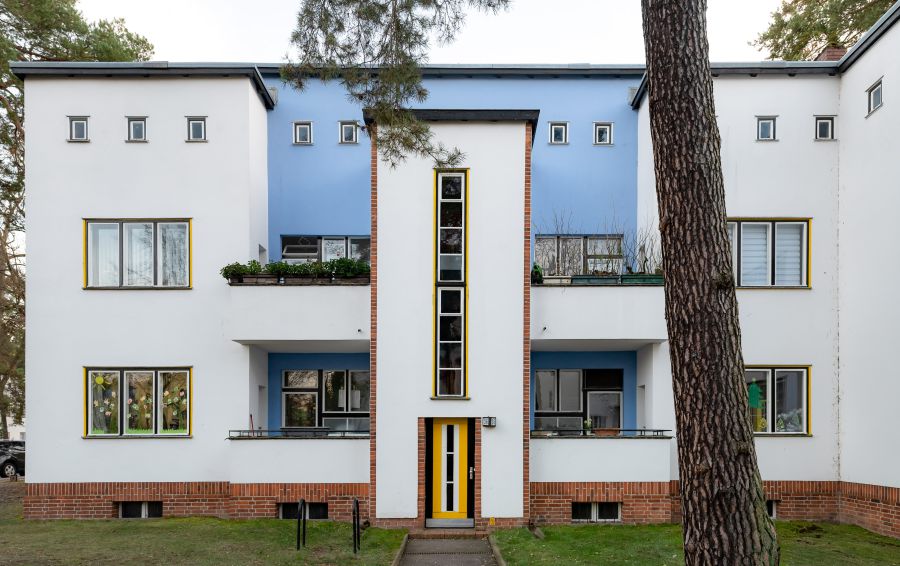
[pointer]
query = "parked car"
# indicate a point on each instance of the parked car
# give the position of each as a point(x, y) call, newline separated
point(12, 458)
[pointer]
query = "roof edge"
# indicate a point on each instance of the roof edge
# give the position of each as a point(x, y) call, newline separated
point(470, 115)
point(871, 37)
point(25, 69)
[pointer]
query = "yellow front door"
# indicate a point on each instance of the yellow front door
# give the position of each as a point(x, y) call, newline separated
point(450, 469)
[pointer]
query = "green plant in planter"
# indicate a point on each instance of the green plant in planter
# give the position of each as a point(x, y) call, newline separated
point(254, 267)
point(588, 424)
point(346, 267)
point(537, 274)
point(278, 269)
point(233, 271)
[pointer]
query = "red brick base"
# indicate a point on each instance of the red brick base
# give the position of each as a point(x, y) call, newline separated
point(875, 508)
point(182, 499)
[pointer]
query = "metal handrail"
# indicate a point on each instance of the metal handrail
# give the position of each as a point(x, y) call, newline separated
point(302, 512)
point(638, 432)
point(305, 432)
point(357, 533)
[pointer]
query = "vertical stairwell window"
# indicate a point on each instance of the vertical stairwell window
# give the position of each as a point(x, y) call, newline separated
point(450, 283)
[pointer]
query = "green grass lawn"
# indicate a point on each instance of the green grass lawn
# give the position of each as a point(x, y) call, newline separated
point(814, 544)
point(194, 541)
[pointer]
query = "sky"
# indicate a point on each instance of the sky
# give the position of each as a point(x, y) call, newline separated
point(531, 31)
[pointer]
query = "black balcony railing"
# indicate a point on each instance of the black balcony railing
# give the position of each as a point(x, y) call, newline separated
point(306, 432)
point(605, 433)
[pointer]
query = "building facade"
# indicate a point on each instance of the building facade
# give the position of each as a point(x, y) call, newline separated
point(453, 385)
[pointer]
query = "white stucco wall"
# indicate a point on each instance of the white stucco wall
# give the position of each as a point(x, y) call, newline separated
point(581, 459)
point(69, 327)
point(271, 314)
point(495, 153)
point(794, 177)
point(566, 318)
point(312, 460)
point(869, 199)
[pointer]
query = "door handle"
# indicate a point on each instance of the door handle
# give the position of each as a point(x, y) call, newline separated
point(471, 472)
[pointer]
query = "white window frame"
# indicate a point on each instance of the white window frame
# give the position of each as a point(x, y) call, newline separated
point(606, 392)
point(595, 513)
point(828, 120)
point(804, 248)
point(759, 122)
point(72, 121)
point(609, 135)
point(192, 120)
point(156, 401)
point(769, 252)
point(90, 404)
point(564, 126)
point(134, 120)
point(284, 395)
point(877, 86)
point(158, 258)
point(348, 123)
point(303, 124)
point(771, 375)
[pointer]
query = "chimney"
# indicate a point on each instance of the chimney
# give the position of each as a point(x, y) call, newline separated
point(831, 53)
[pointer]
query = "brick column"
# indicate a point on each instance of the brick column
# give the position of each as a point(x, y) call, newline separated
point(526, 334)
point(373, 325)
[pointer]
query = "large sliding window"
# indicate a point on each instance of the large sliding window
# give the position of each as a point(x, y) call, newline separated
point(329, 398)
point(770, 253)
point(450, 291)
point(564, 255)
point(565, 399)
point(137, 253)
point(778, 398)
point(137, 402)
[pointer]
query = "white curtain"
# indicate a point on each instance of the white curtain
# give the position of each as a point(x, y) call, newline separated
point(103, 251)
point(138, 254)
point(754, 254)
point(788, 254)
point(173, 254)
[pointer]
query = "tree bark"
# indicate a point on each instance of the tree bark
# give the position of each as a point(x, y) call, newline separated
point(722, 499)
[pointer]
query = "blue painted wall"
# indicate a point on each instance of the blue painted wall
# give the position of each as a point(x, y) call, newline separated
point(324, 188)
point(278, 363)
point(626, 361)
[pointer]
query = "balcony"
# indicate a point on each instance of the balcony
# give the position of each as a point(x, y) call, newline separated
point(300, 318)
point(591, 458)
point(596, 318)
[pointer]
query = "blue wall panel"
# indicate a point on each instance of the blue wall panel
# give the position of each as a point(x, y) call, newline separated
point(324, 188)
point(626, 361)
point(278, 363)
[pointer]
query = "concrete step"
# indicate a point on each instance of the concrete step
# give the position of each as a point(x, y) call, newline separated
point(440, 534)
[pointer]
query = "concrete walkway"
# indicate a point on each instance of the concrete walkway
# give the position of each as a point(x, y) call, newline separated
point(448, 552)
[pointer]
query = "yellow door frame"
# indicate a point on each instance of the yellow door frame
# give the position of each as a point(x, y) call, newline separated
point(461, 459)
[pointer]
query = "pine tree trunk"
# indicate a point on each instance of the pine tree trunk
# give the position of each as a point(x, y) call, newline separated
point(722, 499)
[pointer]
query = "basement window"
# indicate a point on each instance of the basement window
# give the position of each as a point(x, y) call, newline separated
point(770, 508)
point(315, 511)
point(140, 509)
point(596, 512)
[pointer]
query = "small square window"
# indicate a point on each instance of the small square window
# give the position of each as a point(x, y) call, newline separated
point(875, 97)
point(348, 132)
point(603, 133)
point(559, 133)
point(196, 129)
point(824, 128)
point(78, 128)
point(303, 133)
point(137, 129)
point(765, 129)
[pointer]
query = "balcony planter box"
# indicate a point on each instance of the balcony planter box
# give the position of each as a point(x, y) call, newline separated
point(642, 279)
point(606, 432)
point(261, 279)
point(595, 280)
